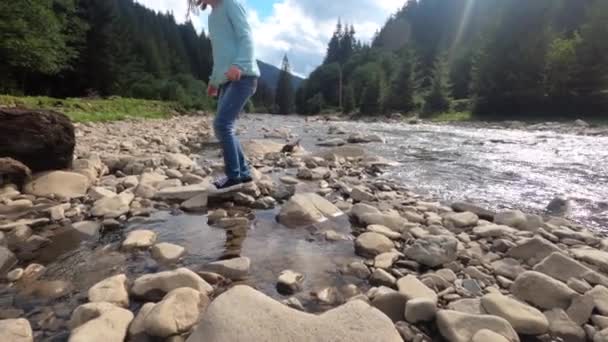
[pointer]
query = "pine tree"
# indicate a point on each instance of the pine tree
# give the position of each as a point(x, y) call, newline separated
point(438, 99)
point(285, 92)
point(401, 92)
point(333, 48)
point(371, 97)
point(348, 105)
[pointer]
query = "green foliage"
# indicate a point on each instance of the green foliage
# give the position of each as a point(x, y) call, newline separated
point(561, 64)
point(285, 94)
point(402, 89)
point(84, 110)
point(315, 104)
point(371, 98)
point(34, 35)
point(438, 99)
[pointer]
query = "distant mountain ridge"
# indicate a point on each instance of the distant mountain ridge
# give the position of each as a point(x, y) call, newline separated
point(270, 75)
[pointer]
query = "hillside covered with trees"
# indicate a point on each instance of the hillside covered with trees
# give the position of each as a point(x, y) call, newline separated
point(83, 48)
point(500, 58)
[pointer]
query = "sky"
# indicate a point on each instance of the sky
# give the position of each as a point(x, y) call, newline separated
point(298, 28)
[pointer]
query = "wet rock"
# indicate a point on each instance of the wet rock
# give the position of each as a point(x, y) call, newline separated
point(58, 183)
point(367, 215)
point(328, 296)
point(413, 288)
point(289, 180)
point(512, 218)
point(522, 317)
point(461, 220)
point(16, 330)
point(7, 260)
point(381, 277)
point(358, 269)
point(112, 290)
point(260, 318)
point(332, 235)
point(542, 290)
point(559, 206)
point(391, 304)
point(99, 322)
point(581, 309)
point(561, 326)
point(371, 244)
point(485, 335)
point(196, 203)
point(477, 210)
point(169, 280)
point(49, 289)
point(216, 215)
point(600, 299)
point(177, 313)
point(294, 303)
point(139, 239)
point(461, 327)
point(89, 229)
point(420, 310)
point(306, 209)
point(243, 199)
point(113, 207)
point(509, 268)
point(332, 142)
point(432, 251)
point(167, 253)
point(265, 203)
point(533, 250)
point(235, 269)
point(290, 282)
point(137, 327)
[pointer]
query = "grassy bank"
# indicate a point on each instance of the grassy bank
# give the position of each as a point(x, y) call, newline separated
point(452, 116)
point(96, 110)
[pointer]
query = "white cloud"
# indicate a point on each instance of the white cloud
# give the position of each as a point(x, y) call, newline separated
point(300, 28)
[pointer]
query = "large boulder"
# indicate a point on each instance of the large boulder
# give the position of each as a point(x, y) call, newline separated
point(60, 183)
point(461, 327)
point(562, 267)
point(16, 330)
point(563, 327)
point(243, 314)
point(235, 269)
point(176, 313)
point(99, 322)
point(542, 290)
point(169, 280)
point(367, 215)
point(42, 140)
point(524, 318)
point(306, 209)
point(433, 251)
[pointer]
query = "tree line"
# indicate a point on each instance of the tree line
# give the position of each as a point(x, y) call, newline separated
point(494, 57)
point(77, 48)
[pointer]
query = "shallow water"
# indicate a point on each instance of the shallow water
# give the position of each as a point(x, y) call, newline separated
point(497, 168)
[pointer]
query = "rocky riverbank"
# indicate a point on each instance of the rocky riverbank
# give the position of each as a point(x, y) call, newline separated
point(432, 271)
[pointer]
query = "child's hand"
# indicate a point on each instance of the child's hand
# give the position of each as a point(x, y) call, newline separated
point(211, 91)
point(234, 73)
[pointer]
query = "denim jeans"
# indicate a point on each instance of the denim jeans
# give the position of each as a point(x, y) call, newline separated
point(232, 99)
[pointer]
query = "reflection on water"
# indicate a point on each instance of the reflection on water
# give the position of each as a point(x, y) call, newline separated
point(493, 167)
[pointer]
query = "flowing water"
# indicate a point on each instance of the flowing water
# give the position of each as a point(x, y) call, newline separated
point(494, 168)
